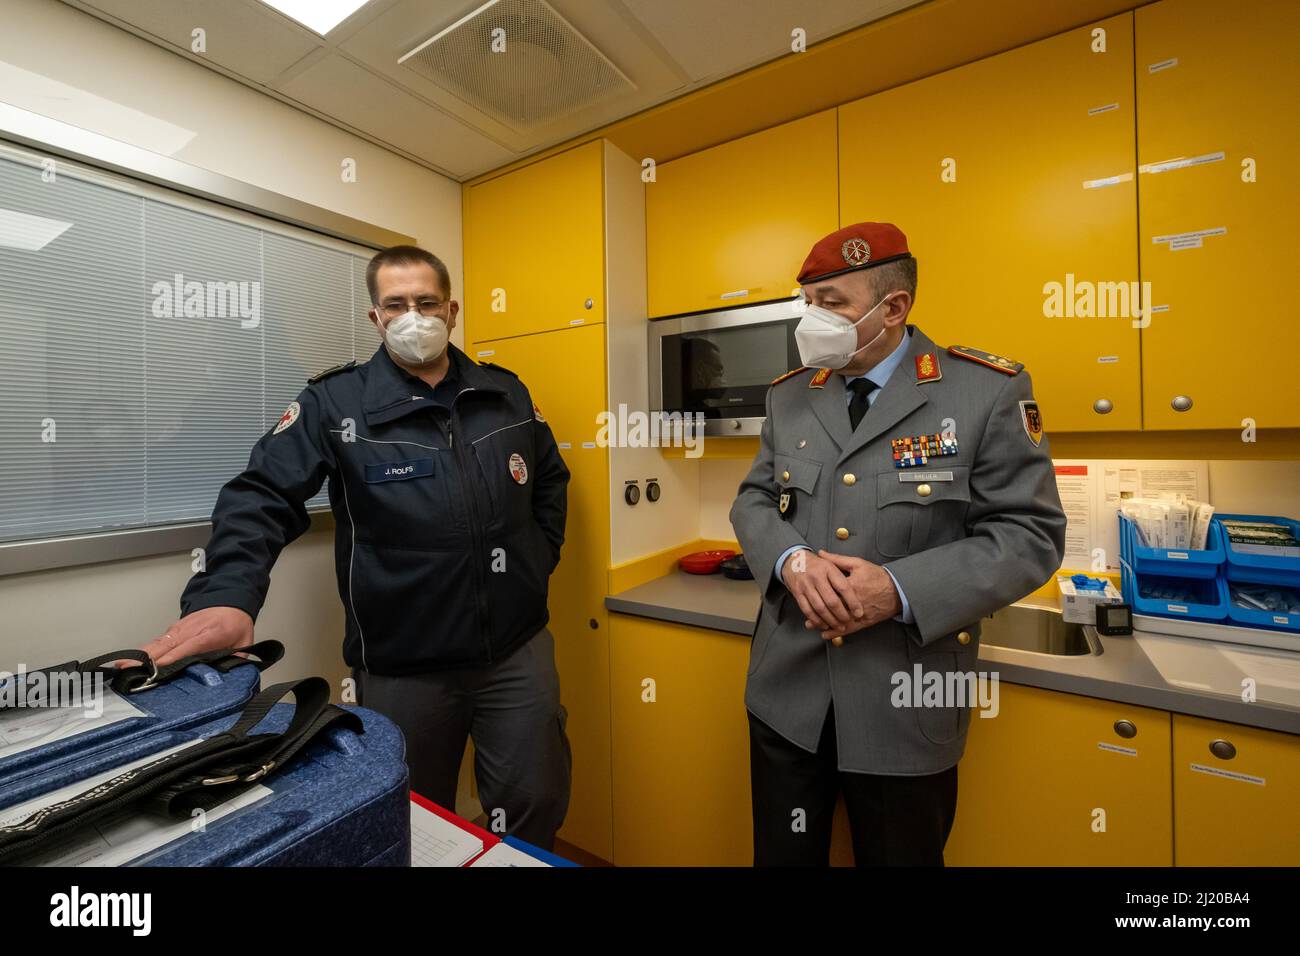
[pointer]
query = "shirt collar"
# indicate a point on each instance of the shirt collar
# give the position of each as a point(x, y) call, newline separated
point(882, 370)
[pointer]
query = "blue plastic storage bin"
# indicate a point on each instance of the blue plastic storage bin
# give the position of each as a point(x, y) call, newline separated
point(1170, 562)
point(1210, 596)
point(1254, 617)
point(1258, 568)
point(198, 695)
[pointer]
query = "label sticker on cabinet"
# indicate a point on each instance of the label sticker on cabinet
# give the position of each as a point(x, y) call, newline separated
point(485, 353)
point(565, 444)
point(1106, 359)
point(1107, 181)
point(1193, 243)
point(1181, 163)
point(1181, 236)
point(1162, 65)
point(1117, 749)
point(589, 444)
point(1103, 109)
point(1220, 772)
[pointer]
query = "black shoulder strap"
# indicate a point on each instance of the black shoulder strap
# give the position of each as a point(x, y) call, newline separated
point(142, 676)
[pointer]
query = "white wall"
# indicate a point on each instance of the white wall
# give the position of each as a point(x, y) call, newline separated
point(72, 67)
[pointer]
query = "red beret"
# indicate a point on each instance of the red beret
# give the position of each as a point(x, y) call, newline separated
point(859, 246)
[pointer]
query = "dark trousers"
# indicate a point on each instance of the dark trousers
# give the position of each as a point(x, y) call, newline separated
point(511, 709)
point(895, 821)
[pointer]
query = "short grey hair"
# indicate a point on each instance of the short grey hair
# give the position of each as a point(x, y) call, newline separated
point(893, 276)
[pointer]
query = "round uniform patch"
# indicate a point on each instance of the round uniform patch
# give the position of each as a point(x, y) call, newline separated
point(518, 469)
point(288, 418)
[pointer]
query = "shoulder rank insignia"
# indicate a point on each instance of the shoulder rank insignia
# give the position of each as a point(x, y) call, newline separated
point(330, 371)
point(819, 380)
point(790, 374)
point(499, 368)
point(999, 362)
point(927, 368)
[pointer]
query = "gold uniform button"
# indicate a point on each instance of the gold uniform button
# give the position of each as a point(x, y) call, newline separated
point(841, 533)
point(923, 490)
point(963, 637)
point(803, 442)
point(785, 476)
point(850, 479)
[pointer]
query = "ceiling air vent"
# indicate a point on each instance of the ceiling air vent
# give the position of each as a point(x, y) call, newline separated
point(546, 70)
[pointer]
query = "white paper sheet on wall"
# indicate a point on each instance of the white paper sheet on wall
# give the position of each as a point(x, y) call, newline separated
point(1091, 490)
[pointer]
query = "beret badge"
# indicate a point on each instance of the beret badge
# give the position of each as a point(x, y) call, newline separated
point(855, 251)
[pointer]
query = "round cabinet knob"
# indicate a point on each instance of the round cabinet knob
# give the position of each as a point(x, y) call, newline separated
point(1126, 729)
point(1102, 406)
point(842, 533)
point(652, 491)
point(850, 479)
point(1223, 749)
point(591, 623)
point(588, 304)
point(785, 476)
point(924, 490)
point(1181, 403)
point(963, 637)
point(631, 494)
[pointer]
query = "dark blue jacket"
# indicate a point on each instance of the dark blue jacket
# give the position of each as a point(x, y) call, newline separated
point(449, 506)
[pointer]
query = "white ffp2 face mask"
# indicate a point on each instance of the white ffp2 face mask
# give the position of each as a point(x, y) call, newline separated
point(828, 340)
point(415, 338)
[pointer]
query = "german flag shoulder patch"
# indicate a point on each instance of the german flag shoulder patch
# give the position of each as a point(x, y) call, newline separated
point(790, 374)
point(988, 359)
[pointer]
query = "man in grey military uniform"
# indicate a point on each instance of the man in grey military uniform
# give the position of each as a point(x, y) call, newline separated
point(895, 501)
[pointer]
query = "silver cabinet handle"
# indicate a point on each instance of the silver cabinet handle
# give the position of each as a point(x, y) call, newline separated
point(1126, 729)
point(1223, 749)
point(1102, 406)
point(1181, 403)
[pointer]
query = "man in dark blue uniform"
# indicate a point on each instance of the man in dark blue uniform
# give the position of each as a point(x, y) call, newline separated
point(449, 496)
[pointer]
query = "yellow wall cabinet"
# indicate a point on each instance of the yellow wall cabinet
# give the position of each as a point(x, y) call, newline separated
point(681, 745)
point(1236, 790)
point(534, 247)
point(1008, 175)
point(570, 405)
point(732, 224)
point(1217, 140)
point(1051, 781)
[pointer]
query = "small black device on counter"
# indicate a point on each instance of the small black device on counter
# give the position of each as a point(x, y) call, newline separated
point(1114, 619)
point(737, 569)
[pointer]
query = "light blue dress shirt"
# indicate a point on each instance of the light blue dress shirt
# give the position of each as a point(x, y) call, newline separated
point(879, 374)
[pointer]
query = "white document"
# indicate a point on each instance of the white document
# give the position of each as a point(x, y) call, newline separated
point(119, 839)
point(503, 854)
point(439, 842)
point(25, 728)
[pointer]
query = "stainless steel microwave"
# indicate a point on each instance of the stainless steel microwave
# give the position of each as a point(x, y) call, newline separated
point(720, 364)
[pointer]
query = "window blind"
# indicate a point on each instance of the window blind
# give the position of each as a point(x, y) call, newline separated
point(146, 345)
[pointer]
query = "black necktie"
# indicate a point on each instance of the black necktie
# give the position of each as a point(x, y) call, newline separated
point(858, 405)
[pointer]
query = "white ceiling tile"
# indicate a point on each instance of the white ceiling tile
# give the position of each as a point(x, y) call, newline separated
point(340, 88)
point(710, 39)
point(243, 36)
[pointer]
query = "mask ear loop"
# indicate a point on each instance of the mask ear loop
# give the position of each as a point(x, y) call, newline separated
point(864, 318)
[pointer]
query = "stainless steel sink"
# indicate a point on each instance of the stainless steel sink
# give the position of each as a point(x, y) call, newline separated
point(1039, 631)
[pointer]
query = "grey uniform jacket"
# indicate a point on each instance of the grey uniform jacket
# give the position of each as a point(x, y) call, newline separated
point(988, 532)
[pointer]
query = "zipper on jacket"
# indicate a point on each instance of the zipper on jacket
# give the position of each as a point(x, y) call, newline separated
point(475, 528)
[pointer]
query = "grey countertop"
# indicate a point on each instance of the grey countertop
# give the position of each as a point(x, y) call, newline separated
point(1185, 675)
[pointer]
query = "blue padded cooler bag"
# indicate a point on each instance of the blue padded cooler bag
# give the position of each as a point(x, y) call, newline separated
point(198, 695)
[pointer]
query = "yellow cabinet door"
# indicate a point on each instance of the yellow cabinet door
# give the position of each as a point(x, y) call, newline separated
point(681, 745)
point(1218, 133)
point(534, 247)
point(1050, 781)
point(731, 225)
point(570, 402)
point(1236, 793)
point(1013, 180)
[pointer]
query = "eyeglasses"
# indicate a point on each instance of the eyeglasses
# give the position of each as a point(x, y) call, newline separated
point(426, 307)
